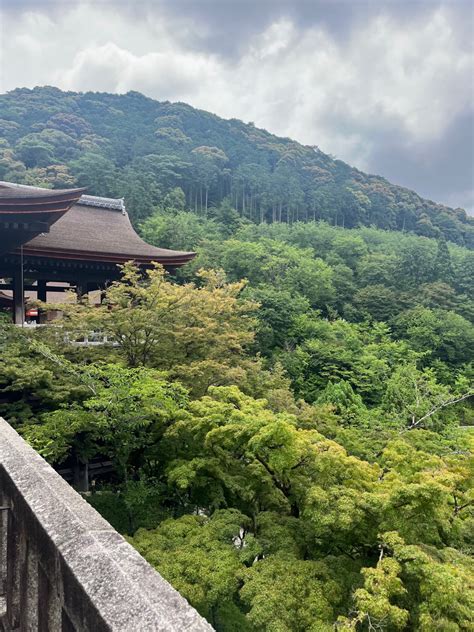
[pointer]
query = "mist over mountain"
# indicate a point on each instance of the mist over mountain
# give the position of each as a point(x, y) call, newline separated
point(135, 147)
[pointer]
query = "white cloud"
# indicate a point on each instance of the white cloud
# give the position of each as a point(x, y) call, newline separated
point(109, 67)
point(416, 79)
point(300, 82)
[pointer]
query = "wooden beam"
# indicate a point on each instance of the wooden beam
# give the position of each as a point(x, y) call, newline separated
point(34, 288)
point(33, 226)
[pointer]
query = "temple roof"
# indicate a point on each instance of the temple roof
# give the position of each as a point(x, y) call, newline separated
point(99, 233)
point(26, 212)
point(19, 192)
point(94, 229)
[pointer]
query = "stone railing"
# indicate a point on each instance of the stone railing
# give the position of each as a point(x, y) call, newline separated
point(63, 567)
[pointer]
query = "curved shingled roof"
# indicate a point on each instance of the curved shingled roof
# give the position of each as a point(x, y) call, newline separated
point(99, 233)
point(24, 193)
point(29, 211)
point(96, 229)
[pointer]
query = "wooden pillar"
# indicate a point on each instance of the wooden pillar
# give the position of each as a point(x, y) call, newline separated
point(18, 296)
point(80, 472)
point(42, 292)
point(42, 295)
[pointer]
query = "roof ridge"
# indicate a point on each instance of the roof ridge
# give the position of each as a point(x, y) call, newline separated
point(117, 204)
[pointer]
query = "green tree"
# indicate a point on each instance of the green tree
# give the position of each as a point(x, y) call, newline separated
point(95, 172)
point(417, 400)
point(438, 333)
point(34, 151)
point(289, 594)
point(125, 407)
point(377, 301)
point(201, 558)
point(198, 334)
point(443, 270)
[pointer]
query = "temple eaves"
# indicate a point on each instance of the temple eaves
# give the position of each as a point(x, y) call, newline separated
point(65, 236)
point(73, 226)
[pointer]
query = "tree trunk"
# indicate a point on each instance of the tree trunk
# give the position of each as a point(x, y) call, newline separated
point(80, 475)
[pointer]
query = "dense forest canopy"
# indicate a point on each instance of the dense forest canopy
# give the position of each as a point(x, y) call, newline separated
point(284, 467)
point(132, 146)
point(290, 419)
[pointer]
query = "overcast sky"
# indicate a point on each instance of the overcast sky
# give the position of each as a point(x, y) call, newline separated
point(386, 86)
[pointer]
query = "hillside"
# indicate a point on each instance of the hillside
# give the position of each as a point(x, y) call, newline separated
point(288, 419)
point(141, 149)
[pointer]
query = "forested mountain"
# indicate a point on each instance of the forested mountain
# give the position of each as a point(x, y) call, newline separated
point(132, 146)
point(290, 418)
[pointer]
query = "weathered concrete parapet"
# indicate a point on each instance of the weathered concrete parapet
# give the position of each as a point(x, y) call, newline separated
point(64, 568)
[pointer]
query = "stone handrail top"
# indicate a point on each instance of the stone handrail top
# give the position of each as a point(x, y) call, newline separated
point(118, 586)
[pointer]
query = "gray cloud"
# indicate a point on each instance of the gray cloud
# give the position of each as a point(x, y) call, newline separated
point(441, 169)
point(385, 85)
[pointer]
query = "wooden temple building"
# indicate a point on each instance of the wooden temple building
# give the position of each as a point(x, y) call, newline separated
point(50, 236)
